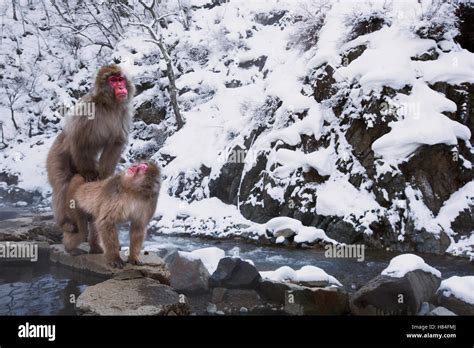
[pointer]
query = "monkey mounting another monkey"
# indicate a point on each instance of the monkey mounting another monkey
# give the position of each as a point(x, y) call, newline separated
point(77, 147)
point(129, 196)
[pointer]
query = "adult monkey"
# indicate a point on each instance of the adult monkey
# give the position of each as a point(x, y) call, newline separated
point(76, 149)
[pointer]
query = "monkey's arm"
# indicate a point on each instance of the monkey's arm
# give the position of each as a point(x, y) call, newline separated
point(109, 158)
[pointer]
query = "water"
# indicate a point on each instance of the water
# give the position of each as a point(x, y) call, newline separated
point(38, 288)
point(350, 272)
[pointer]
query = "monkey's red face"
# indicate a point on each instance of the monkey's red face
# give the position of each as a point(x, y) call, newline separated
point(119, 85)
point(137, 169)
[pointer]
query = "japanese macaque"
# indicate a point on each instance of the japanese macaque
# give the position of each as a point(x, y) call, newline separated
point(129, 196)
point(103, 130)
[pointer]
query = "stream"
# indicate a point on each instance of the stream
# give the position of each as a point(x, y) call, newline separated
point(41, 289)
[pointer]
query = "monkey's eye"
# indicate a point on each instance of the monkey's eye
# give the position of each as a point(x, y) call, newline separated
point(115, 79)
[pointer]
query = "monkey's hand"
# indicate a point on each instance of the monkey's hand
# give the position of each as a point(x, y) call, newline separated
point(90, 175)
point(135, 261)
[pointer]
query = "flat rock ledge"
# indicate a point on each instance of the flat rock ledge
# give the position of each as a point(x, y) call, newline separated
point(127, 295)
point(154, 267)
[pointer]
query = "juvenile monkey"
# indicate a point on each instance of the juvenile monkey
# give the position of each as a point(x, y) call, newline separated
point(103, 130)
point(129, 196)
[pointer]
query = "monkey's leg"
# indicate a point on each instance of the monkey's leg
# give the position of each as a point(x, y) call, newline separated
point(94, 240)
point(137, 235)
point(71, 242)
point(109, 236)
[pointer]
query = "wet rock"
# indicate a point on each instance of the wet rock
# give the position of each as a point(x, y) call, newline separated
point(285, 232)
point(432, 170)
point(441, 311)
point(234, 273)
point(324, 84)
point(352, 54)
point(316, 301)
point(153, 266)
point(136, 296)
point(10, 179)
point(426, 307)
point(386, 295)
point(366, 26)
point(455, 304)
point(233, 83)
point(431, 54)
point(270, 18)
point(465, 13)
point(258, 62)
point(233, 300)
point(27, 229)
point(274, 291)
point(187, 275)
point(226, 185)
point(14, 194)
point(344, 232)
point(150, 112)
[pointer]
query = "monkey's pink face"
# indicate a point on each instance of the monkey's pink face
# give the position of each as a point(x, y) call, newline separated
point(119, 86)
point(137, 170)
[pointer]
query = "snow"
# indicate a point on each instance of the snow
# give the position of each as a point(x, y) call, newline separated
point(423, 123)
point(304, 274)
point(459, 287)
point(341, 198)
point(291, 160)
point(210, 257)
point(402, 264)
point(303, 233)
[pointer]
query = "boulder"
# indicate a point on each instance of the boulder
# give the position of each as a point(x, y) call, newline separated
point(30, 228)
point(455, 304)
point(386, 295)
point(234, 273)
point(316, 301)
point(233, 300)
point(441, 311)
point(456, 294)
point(153, 266)
point(135, 296)
point(186, 274)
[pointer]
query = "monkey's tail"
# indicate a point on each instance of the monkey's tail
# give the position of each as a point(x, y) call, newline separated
point(59, 176)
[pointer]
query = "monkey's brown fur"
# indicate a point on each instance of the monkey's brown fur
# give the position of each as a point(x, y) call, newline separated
point(117, 199)
point(76, 149)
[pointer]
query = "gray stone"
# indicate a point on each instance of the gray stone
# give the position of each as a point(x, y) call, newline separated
point(187, 275)
point(231, 301)
point(455, 304)
point(385, 295)
point(286, 232)
point(316, 301)
point(153, 266)
point(29, 229)
point(138, 296)
point(234, 273)
point(426, 307)
point(441, 311)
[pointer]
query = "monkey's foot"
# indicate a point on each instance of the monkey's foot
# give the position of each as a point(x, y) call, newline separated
point(135, 261)
point(117, 263)
point(76, 252)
